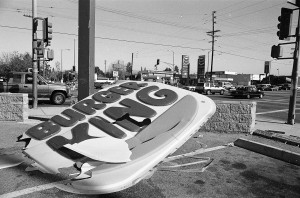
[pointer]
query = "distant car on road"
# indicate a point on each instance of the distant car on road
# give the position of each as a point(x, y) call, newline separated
point(263, 87)
point(190, 88)
point(285, 86)
point(209, 88)
point(102, 81)
point(272, 88)
point(247, 92)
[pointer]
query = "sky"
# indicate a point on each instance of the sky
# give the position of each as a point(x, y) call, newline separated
point(157, 29)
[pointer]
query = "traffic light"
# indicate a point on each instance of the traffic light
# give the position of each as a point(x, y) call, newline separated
point(50, 55)
point(38, 46)
point(285, 23)
point(157, 62)
point(47, 32)
point(276, 51)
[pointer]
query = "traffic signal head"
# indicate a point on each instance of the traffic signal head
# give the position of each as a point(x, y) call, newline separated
point(47, 32)
point(50, 55)
point(38, 47)
point(276, 51)
point(285, 23)
point(157, 62)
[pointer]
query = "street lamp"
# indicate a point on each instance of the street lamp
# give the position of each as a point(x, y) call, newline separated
point(61, 64)
point(173, 58)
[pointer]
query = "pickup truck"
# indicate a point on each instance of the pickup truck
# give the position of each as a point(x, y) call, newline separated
point(209, 88)
point(21, 82)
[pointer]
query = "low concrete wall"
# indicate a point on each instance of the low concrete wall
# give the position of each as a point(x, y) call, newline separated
point(232, 117)
point(13, 107)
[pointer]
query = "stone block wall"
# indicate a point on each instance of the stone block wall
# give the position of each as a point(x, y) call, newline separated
point(232, 117)
point(13, 107)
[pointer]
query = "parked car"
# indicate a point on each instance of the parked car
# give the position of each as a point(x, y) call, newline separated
point(209, 88)
point(21, 82)
point(263, 87)
point(285, 86)
point(247, 92)
point(272, 88)
point(190, 88)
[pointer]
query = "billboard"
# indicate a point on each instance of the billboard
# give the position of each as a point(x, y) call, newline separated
point(185, 70)
point(201, 67)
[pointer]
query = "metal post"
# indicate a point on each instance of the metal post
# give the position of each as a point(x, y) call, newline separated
point(131, 66)
point(34, 57)
point(293, 96)
point(208, 61)
point(105, 68)
point(212, 45)
point(86, 48)
point(61, 65)
point(173, 61)
point(74, 55)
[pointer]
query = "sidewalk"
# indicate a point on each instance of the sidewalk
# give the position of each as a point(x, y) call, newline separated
point(263, 123)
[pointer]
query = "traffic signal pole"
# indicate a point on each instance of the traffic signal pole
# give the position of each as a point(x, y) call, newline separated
point(34, 55)
point(293, 96)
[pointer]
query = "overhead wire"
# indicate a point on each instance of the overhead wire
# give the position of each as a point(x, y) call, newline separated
point(151, 19)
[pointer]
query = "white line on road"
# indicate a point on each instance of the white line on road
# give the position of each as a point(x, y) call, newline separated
point(266, 112)
point(32, 190)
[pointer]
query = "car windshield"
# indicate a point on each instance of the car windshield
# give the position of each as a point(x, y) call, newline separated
point(42, 79)
point(242, 88)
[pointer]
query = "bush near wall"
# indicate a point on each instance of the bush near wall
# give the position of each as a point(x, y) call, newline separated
point(13, 107)
point(232, 117)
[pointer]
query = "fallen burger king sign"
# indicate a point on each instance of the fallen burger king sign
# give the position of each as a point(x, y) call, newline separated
point(116, 136)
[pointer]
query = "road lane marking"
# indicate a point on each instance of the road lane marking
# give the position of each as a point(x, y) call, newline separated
point(266, 112)
point(32, 189)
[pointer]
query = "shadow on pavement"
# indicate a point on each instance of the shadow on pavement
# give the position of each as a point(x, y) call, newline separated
point(38, 118)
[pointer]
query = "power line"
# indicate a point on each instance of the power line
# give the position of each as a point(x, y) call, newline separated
point(139, 42)
point(230, 18)
point(150, 19)
point(114, 39)
point(239, 9)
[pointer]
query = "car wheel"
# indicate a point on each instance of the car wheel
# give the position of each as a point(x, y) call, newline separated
point(58, 98)
point(222, 92)
point(260, 96)
point(208, 92)
point(248, 96)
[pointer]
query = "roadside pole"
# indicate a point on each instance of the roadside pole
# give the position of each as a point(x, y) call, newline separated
point(34, 55)
point(86, 48)
point(293, 96)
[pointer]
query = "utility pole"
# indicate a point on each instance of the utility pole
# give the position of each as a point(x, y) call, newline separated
point(34, 54)
point(74, 53)
point(131, 66)
point(284, 27)
point(105, 68)
point(212, 34)
point(293, 96)
point(86, 48)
